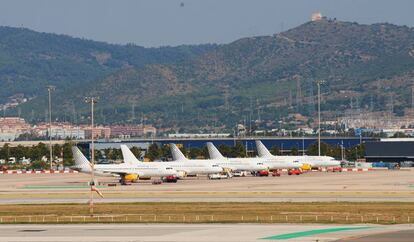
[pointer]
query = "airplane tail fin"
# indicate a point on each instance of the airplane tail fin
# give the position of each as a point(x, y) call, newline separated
point(81, 163)
point(129, 157)
point(213, 152)
point(176, 153)
point(262, 150)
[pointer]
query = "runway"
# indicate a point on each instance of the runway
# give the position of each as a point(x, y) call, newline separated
point(380, 186)
point(194, 233)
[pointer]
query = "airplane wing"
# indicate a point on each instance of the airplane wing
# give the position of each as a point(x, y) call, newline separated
point(120, 171)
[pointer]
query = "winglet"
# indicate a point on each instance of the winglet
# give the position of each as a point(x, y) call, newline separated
point(262, 150)
point(129, 157)
point(176, 153)
point(213, 152)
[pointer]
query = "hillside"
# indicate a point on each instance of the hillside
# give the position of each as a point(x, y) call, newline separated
point(31, 60)
point(262, 78)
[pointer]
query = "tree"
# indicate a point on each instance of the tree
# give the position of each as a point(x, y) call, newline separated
point(137, 152)
point(294, 150)
point(225, 150)
point(313, 149)
point(355, 152)
point(67, 154)
point(399, 135)
point(39, 164)
point(38, 151)
point(166, 152)
point(238, 150)
point(195, 152)
point(275, 150)
point(153, 152)
point(5, 152)
point(18, 152)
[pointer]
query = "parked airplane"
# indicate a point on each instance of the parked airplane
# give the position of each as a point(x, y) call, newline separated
point(272, 164)
point(228, 165)
point(127, 172)
point(183, 168)
point(313, 161)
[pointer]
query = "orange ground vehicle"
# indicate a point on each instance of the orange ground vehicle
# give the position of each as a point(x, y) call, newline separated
point(172, 179)
point(294, 172)
point(337, 169)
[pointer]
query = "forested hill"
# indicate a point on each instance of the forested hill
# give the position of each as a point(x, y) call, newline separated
point(262, 77)
point(31, 60)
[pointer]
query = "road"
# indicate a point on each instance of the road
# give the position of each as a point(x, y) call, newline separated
point(368, 186)
point(193, 232)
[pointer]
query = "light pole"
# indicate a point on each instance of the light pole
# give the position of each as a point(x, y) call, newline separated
point(49, 90)
point(318, 83)
point(92, 101)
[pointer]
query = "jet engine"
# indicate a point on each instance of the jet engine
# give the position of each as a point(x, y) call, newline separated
point(182, 174)
point(131, 177)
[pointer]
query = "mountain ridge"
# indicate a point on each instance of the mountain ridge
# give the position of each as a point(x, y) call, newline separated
point(262, 78)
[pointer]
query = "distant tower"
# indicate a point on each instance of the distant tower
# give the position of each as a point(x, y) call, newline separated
point(290, 98)
point(311, 98)
point(317, 16)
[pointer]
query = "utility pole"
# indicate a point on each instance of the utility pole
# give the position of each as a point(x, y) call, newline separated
point(49, 90)
point(92, 101)
point(318, 83)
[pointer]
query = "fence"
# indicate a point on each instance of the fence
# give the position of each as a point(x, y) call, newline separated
point(204, 218)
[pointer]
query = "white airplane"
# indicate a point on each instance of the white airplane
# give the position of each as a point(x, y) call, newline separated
point(127, 171)
point(183, 168)
point(272, 164)
point(313, 161)
point(228, 165)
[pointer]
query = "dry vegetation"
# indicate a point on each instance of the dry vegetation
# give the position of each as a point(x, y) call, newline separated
point(341, 212)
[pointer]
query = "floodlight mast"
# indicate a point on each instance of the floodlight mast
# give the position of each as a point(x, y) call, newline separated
point(92, 101)
point(49, 90)
point(319, 83)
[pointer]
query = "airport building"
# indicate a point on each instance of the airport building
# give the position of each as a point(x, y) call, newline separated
point(390, 150)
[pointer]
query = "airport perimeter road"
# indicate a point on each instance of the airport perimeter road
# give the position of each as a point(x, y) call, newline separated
point(379, 186)
point(192, 232)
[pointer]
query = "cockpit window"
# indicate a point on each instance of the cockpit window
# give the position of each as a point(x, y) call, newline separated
point(260, 164)
point(169, 168)
point(215, 165)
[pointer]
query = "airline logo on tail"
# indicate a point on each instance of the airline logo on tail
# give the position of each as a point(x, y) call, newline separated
point(176, 153)
point(213, 152)
point(262, 150)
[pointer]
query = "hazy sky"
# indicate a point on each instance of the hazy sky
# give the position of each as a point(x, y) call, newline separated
point(167, 22)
